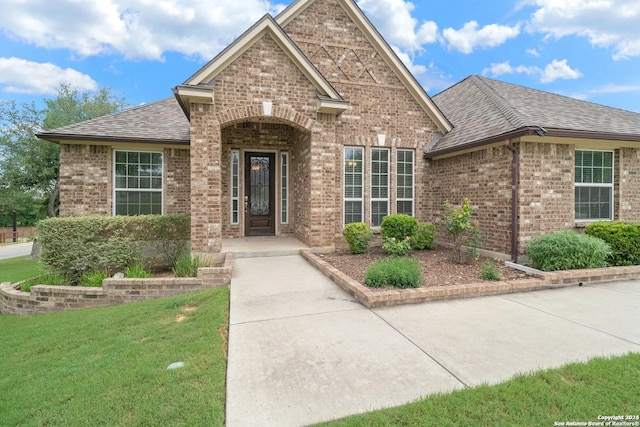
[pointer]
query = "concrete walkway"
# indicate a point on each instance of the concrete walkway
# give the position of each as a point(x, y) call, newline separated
point(15, 250)
point(302, 351)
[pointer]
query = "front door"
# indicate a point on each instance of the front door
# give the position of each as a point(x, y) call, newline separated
point(259, 194)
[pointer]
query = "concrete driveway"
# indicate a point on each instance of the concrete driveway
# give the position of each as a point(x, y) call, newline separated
point(15, 250)
point(303, 351)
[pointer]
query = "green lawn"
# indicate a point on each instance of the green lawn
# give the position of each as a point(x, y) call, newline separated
point(108, 366)
point(576, 392)
point(17, 269)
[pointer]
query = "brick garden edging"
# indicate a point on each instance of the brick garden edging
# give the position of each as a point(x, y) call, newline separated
point(47, 299)
point(372, 298)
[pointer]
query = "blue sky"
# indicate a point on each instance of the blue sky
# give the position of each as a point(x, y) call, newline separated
point(587, 49)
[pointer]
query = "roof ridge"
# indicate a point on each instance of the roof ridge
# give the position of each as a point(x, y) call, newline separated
point(514, 118)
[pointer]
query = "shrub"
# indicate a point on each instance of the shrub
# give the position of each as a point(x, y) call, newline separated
point(358, 236)
point(489, 271)
point(46, 279)
point(396, 247)
point(622, 237)
point(566, 250)
point(138, 271)
point(424, 237)
point(187, 266)
point(74, 246)
point(399, 272)
point(399, 226)
point(458, 226)
point(93, 279)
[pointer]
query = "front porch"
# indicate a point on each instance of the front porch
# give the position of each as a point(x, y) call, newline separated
point(254, 247)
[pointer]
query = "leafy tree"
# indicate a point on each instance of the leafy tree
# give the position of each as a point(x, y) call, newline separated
point(458, 226)
point(30, 166)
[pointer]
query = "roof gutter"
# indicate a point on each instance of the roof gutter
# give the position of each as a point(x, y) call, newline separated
point(56, 137)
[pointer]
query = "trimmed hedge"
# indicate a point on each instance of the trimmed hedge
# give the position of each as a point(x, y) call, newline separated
point(75, 246)
point(622, 237)
point(358, 236)
point(399, 226)
point(566, 250)
point(424, 237)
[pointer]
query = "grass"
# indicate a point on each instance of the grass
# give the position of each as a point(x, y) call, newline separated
point(575, 392)
point(108, 366)
point(20, 268)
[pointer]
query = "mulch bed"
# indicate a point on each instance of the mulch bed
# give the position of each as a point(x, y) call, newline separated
point(438, 268)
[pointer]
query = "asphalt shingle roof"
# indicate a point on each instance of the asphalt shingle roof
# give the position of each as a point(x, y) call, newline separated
point(162, 122)
point(481, 109)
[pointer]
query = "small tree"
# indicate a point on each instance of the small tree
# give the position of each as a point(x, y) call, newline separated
point(458, 226)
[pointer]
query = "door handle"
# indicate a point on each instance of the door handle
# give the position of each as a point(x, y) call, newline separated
point(246, 206)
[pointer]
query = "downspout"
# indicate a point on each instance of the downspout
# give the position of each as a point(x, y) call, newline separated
point(515, 190)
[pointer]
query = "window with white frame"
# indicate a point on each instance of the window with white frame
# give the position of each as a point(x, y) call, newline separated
point(137, 182)
point(593, 185)
point(404, 182)
point(353, 184)
point(235, 187)
point(379, 185)
point(284, 188)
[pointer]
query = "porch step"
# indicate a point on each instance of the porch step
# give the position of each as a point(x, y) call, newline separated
point(244, 253)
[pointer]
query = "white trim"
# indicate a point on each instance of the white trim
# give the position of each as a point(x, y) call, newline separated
point(413, 181)
point(237, 198)
point(362, 183)
point(370, 174)
point(146, 190)
point(611, 186)
point(284, 155)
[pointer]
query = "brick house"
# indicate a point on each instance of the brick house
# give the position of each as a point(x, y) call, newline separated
point(309, 121)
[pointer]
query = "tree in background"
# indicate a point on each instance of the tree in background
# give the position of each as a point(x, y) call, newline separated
point(29, 167)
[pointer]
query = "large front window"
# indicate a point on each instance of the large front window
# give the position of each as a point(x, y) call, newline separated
point(379, 185)
point(404, 182)
point(593, 185)
point(138, 183)
point(353, 184)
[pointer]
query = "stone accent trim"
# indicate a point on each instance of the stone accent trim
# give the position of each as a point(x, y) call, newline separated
point(47, 299)
point(372, 298)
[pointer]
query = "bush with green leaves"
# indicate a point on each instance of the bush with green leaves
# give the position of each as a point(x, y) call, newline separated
point(358, 236)
point(458, 226)
point(424, 237)
point(45, 279)
point(396, 247)
point(399, 272)
point(567, 250)
point(93, 279)
point(187, 265)
point(399, 226)
point(622, 237)
point(137, 270)
point(489, 271)
point(74, 246)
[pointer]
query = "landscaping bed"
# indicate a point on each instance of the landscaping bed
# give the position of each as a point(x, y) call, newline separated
point(438, 267)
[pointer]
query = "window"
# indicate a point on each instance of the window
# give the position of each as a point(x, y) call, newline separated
point(284, 186)
point(138, 183)
point(379, 185)
point(593, 185)
point(404, 182)
point(353, 184)
point(235, 187)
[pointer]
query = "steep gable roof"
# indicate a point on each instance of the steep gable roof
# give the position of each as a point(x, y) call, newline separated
point(202, 83)
point(157, 122)
point(486, 111)
point(383, 48)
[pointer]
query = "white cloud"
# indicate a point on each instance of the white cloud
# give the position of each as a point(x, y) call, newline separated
point(137, 29)
point(616, 88)
point(553, 71)
point(470, 36)
point(394, 20)
point(533, 52)
point(498, 69)
point(22, 76)
point(559, 70)
point(606, 23)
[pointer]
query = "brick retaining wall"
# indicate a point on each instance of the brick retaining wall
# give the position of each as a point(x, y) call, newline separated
point(46, 299)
